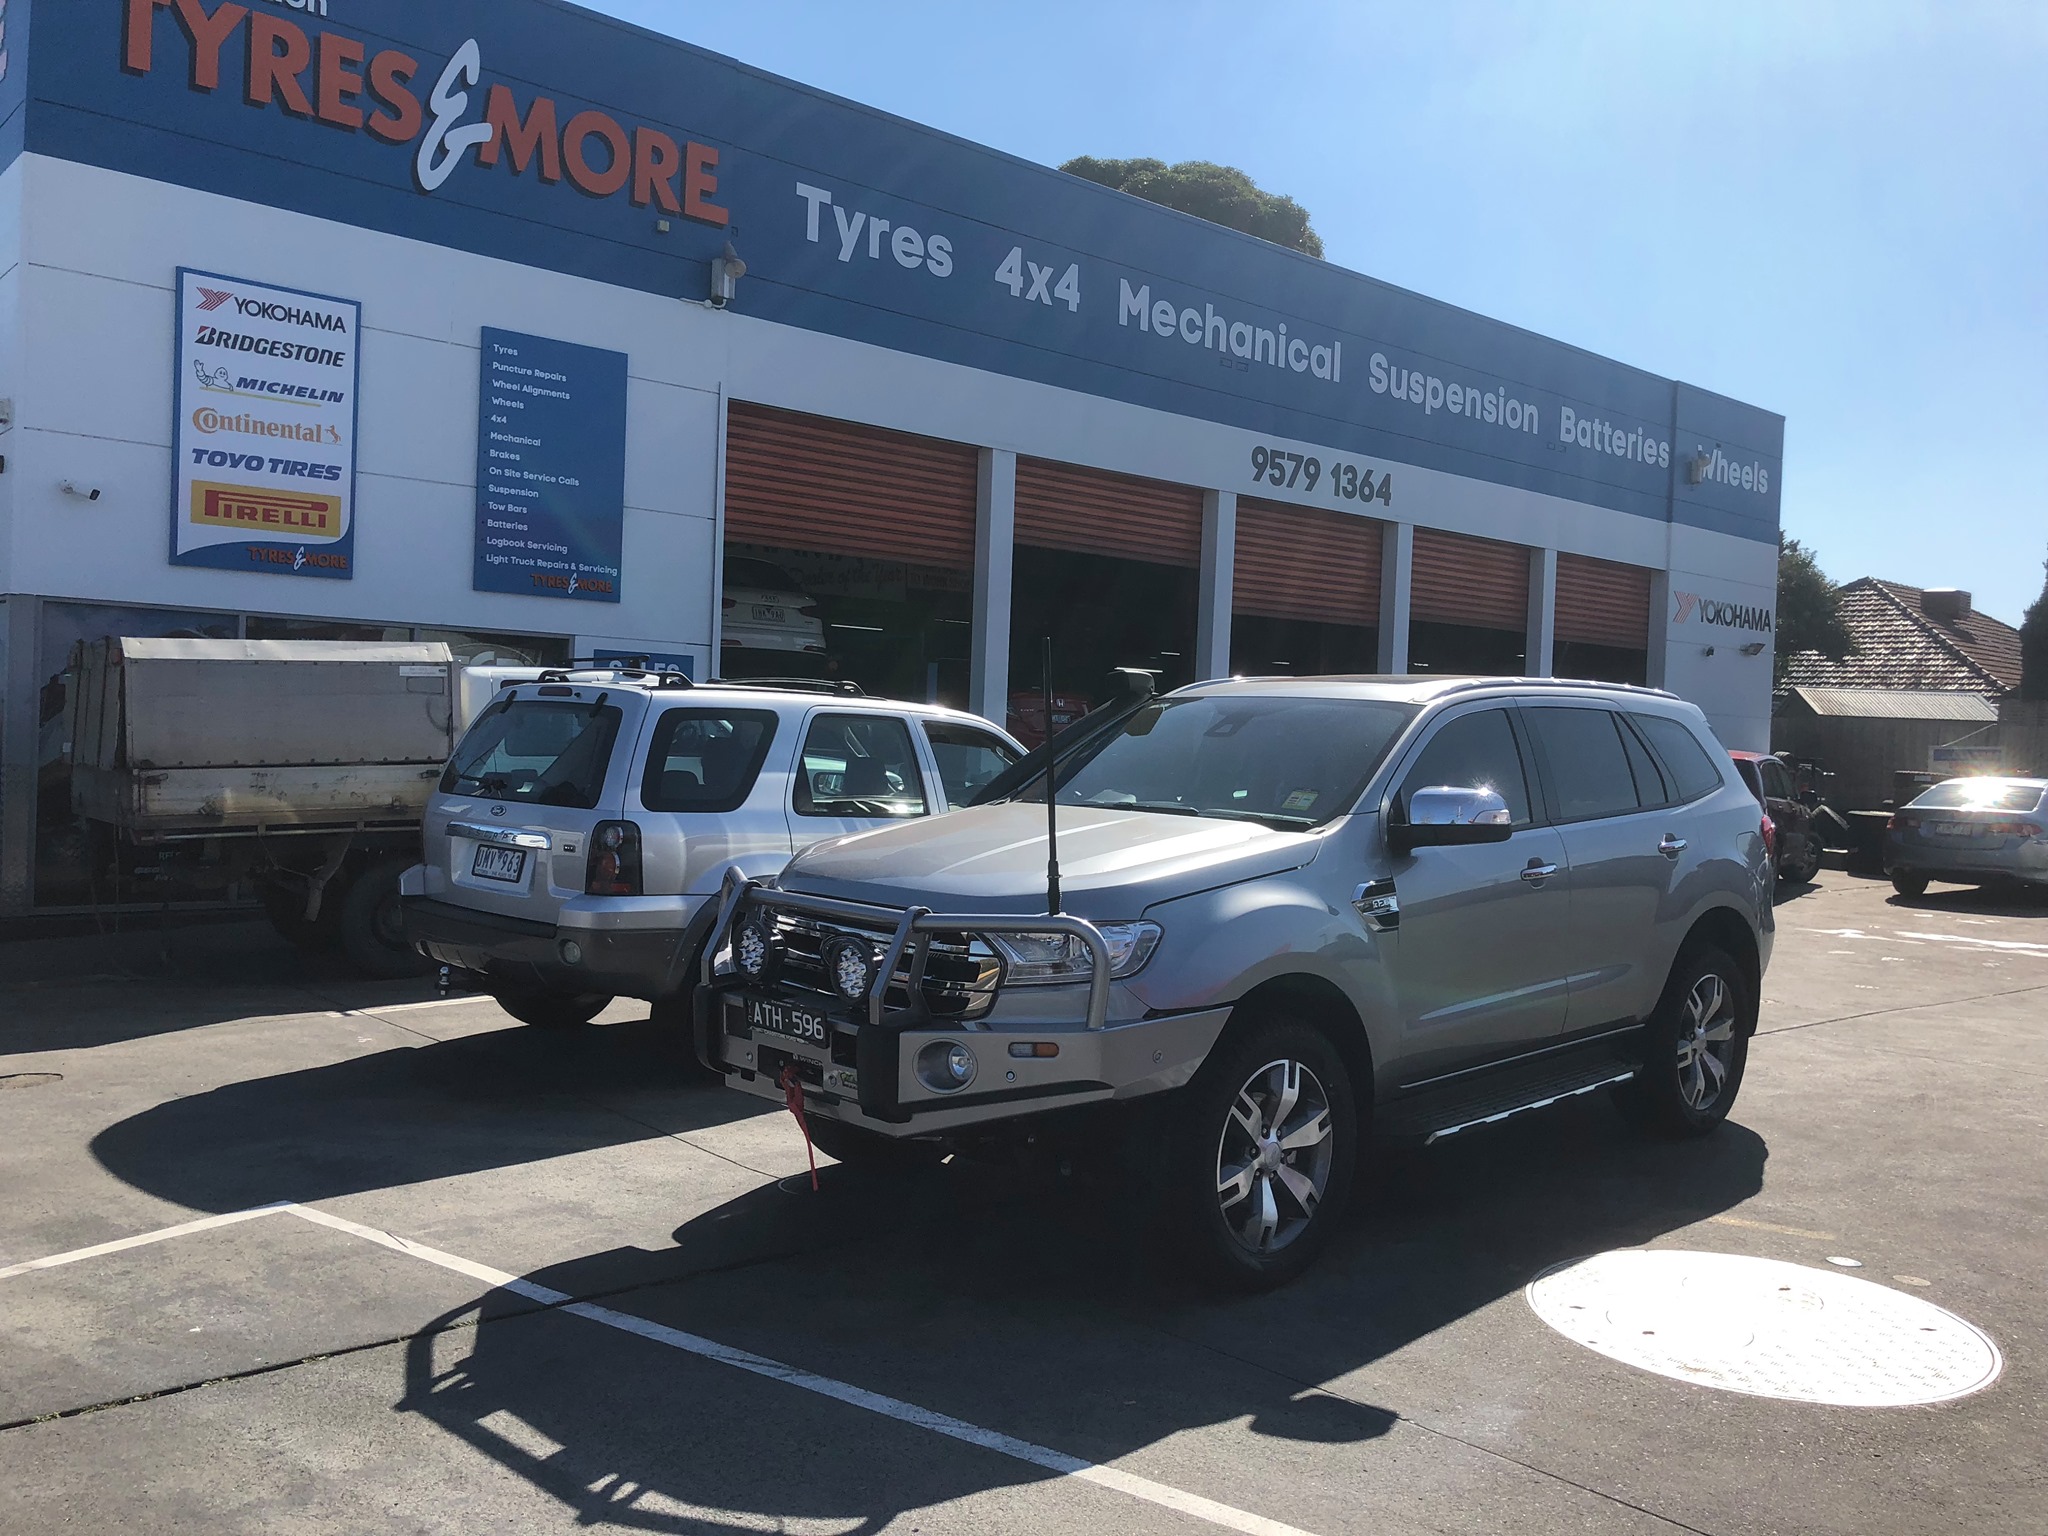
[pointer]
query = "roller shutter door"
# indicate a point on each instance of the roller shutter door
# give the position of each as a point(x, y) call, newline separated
point(1094, 512)
point(837, 488)
point(1602, 603)
point(1476, 582)
point(1302, 563)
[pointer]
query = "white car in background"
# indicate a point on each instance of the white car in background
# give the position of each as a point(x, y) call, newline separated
point(766, 610)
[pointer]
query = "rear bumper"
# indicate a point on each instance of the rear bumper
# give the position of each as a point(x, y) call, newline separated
point(646, 962)
point(2026, 864)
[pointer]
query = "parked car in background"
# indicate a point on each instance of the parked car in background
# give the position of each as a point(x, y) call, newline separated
point(583, 825)
point(766, 609)
point(1976, 831)
point(1291, 911)
point(1796, 842)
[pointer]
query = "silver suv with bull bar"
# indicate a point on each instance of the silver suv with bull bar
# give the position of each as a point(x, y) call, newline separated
point(1281, 915)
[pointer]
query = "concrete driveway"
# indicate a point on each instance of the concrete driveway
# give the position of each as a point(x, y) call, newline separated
point(335, 1256)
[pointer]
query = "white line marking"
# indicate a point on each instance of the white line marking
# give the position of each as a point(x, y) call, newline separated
point(432, 1002)
point(143, 1240)
point(1974, 942)
point(1130, 1484)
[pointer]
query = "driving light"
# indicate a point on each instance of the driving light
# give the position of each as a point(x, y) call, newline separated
point(851, 965)
point(1045, 959)
point(750, 947)
point(572, 952)
point(946, 1066)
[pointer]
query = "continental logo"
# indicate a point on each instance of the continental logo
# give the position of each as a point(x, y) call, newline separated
point(301, 515)
point(209, 421)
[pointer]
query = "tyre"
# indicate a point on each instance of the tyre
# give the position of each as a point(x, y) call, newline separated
point(551, 1010)
point(1808, 869)
point(1262, 1154)
point(1695, 1046)
point(370, 926)
point(1909, 885)
point(859, 1147)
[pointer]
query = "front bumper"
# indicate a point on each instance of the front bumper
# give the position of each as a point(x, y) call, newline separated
point(1039, 1049)
point(646, 962)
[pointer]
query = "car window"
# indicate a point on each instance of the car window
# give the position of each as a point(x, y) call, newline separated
point(1685, 761)
point(1980, 795)
point(1652, 788)
point(706, 759)
point(1586, 762)
point(536, 750)
point(1474, 751)
point(859, 765)
point(1776, 785)
point(968, 759)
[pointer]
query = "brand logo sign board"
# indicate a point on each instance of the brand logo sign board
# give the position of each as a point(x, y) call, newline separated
point(535, 133)
point(264, 447)
point(550, 468)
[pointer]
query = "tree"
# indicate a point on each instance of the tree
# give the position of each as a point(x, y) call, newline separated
point(1222, 194)
point(1809, 609)
point(2034, 646)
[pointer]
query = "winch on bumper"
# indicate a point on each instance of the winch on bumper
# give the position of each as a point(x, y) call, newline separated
point(934, 1040)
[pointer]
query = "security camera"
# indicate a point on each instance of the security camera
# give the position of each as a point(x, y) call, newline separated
point(84, 492)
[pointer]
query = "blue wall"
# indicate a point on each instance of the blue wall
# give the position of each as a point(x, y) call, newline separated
point(945, 301)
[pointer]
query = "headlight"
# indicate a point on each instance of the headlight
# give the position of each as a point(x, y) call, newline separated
point(1039, 959)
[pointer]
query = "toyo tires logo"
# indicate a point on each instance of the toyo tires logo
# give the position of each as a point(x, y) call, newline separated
point(1691, 607)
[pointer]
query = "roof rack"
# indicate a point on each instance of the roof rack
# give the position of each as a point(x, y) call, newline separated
point(1467, 684)
point(613, 669)
point(838, 687)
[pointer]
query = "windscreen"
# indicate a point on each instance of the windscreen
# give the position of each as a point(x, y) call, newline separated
point(536, 750)
point(1285, 762)
point(1979, 795)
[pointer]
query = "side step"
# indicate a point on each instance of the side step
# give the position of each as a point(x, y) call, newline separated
point(1485, 1098)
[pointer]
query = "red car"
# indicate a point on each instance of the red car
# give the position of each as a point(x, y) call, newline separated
point(1795, 843)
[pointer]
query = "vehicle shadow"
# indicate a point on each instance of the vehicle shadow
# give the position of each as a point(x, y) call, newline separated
point(404, 1116)
point(1978, 901)
point(1056, 1315)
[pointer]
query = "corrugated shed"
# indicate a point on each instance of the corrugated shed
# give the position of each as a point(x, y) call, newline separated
point(1306, 563)
point(1893, 704)
point(1094, 512)
point(838, 488)
point(1900, 648)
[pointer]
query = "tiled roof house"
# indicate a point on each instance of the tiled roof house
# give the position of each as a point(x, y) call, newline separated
point(1914, 640)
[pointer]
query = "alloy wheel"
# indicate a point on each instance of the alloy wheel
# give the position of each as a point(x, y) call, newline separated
point(1706, 1042)
point(1274, 1157)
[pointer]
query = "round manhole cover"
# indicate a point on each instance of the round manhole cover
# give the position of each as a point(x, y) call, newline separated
point(1765, 1328)
point(29, 1079)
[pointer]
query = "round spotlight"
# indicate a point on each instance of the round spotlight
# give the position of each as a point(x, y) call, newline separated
point(946, 1066)
point(852, 967)
point(960, 1065)
point(750, 948)
point(572, 952)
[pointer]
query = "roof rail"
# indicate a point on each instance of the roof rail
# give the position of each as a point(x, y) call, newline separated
point(612, 669)
point(839, 687)
point(1468, 684)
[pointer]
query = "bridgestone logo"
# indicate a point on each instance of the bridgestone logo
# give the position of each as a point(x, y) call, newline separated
point(265, 346)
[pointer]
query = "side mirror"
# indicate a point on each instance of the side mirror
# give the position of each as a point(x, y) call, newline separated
point(1443, 817)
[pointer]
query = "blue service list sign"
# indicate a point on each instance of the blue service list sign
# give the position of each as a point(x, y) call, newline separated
point(550, 468)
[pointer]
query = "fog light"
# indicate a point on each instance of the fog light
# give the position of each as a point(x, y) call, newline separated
point(945, 1066)
point(750, 948)
point(572, 952)
point(852, 967)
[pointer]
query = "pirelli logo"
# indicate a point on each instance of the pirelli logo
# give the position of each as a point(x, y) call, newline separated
point(294, 514)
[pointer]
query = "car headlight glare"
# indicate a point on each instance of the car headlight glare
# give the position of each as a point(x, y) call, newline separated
point(1044, 959)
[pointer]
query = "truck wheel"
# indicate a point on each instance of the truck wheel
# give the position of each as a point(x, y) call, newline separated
point(858, 1147)
point(370, 925)
point(1263, 1155)
point(1908, 885)
point(552, 1010)
point(1694, 1047)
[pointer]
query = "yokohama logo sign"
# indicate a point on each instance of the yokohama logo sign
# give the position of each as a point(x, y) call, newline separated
point(431, 107)
point(1692, 607)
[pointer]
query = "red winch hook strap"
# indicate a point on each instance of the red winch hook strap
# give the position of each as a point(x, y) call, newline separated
point(793, 1097)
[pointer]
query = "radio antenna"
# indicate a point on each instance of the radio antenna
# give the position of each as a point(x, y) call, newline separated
point(1052, 810)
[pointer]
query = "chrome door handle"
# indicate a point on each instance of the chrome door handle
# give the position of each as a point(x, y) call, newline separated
point(1536, 874)
point(1671, 847)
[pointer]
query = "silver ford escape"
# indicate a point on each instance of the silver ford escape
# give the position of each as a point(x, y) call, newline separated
point(587, 817)
point(1288, 912)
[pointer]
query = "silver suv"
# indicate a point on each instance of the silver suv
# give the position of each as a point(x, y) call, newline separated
point(587, 817)
point(1289, 911)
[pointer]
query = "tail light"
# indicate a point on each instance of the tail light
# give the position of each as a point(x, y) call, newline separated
point(1899, 823)
point(729, 604)
point(614, 867)
point(1770, 832)
point(2014, 829)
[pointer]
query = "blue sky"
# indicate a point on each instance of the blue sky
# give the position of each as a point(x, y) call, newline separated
point(1836, 211)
